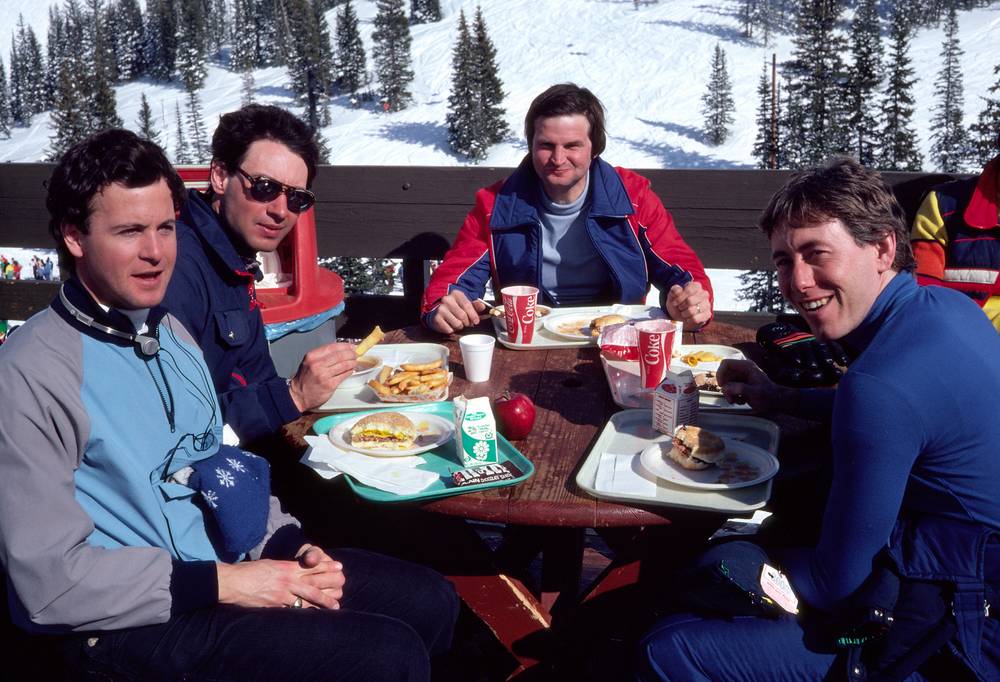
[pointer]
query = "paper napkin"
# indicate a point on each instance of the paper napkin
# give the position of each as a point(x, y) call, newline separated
point(620, 473)
point(397, 475)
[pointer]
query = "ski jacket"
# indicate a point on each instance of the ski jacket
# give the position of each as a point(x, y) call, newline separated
point(956, 239)
point(214, 296)
point(93, 534)
point(501, 240)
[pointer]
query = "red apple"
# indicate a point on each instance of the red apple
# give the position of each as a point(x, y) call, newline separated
point(515, 415)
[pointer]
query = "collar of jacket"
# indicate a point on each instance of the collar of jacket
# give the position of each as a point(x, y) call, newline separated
point(84, 302)
point(518, 200)
point(899, 289)
point(198, 214)
point(982, 209)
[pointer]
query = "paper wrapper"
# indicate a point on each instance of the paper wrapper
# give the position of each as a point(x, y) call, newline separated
point(619, 342)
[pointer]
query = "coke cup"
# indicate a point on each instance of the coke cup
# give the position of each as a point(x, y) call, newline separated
point(519, 310)
point(656, 339)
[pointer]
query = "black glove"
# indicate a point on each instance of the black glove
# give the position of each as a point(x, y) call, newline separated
point(793, 356)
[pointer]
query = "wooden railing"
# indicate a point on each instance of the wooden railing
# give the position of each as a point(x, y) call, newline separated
point(414, 213)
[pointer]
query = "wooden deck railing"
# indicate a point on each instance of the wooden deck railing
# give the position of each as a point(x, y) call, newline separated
point(414, 213)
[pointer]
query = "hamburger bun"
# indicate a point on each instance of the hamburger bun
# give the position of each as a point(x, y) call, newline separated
point(384, 431)
point(696, 448)
point(603, 321)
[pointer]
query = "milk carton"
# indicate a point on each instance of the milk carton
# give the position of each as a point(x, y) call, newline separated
point(675, 402)
point(475, 431)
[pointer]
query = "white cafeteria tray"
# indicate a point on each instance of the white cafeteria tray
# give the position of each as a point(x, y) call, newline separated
point(623, 380)
point(630, 431)
point(394, 354)
point(543, 338)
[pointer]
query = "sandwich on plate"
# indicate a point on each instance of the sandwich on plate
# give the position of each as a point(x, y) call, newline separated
point(696, 448)
point(384, 431)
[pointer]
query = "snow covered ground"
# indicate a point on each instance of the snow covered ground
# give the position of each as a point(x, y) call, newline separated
point(649, 66)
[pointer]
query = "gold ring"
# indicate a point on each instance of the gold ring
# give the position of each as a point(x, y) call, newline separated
point(697, 308)
point(297, 604)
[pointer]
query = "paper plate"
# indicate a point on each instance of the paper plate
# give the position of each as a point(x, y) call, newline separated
point(572, 326)
point(742, 465)
point(434, 431)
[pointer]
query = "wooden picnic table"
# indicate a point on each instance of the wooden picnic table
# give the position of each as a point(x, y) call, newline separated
point(573, 404)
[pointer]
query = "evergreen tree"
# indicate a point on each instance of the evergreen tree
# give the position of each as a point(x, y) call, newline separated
point(818, 81)
point(243, 39)
point(463, 115)
point(765, 146)
point(865, 78)
point(192, 38)
point(5, 120)
point(104, 111)
point(129, 30)
point(793, 150)
point(309, 59)
point(898, 149)
point(145, 122)
point(55, 52)
point(491, 94)
point(350, 62)
point(247, 88)
point(362, 275)
point(392, 54)
point(425, 11)
point(28, 92)
point(717, 103)
point(70, 121)
point(182, 150)
point(197, 139)
point(949, 138)
point(161, 38)
point(760, 289)
point(216, 27)
point(986, 130)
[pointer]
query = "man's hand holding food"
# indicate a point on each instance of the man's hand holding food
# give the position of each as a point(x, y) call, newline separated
point(689, 304)
point(743, 382)
point(456, 312)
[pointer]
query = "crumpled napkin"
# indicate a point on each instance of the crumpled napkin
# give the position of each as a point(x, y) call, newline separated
point(397, 475)
point(620, 473)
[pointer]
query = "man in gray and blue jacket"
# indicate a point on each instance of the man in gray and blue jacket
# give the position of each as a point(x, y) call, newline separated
point(116, 528)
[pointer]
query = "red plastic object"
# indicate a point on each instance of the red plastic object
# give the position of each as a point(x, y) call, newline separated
point(313, 289)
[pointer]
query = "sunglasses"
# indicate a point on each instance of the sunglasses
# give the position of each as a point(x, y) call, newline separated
point(265, 189)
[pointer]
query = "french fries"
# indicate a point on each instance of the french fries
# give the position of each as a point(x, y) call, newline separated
point(366, 344)
point(694, 359)
point(410, 380)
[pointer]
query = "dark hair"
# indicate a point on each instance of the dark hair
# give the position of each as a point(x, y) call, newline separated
point(843, 190)
point(105, 158)
point(567, 99)
point(239, 129)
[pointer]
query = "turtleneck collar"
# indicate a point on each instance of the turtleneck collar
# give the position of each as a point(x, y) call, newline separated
point(900, 288)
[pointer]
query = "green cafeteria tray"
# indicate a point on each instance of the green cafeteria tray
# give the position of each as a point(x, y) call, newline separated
point(442, 460)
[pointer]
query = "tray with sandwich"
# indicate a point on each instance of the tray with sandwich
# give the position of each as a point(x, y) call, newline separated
point(726, 465)
point(391, 373)
point(573, 327)
point(406, 454)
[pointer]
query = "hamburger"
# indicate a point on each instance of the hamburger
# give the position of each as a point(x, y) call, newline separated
point(696, 448)
point(603, 321)
point(384, 431)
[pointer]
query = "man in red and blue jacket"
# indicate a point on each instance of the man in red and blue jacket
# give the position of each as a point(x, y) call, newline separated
point(569, 223)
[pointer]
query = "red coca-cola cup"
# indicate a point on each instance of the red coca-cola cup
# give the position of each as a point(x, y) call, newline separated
point(519, 311)
point(656, 339)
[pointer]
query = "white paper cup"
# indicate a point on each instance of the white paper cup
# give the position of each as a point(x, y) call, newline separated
point(477, 356)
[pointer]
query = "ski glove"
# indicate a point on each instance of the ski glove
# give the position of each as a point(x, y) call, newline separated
point(794, 357)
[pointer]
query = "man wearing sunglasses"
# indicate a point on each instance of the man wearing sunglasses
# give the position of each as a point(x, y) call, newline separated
point(263, 161)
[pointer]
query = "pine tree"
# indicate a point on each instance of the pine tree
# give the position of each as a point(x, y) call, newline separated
point(243, 38)
point(765, 146)
point(161, 38)
point(425, 11)
point(865, 77)
point(392, 54)
point(70, 122)
point(5, 120)
point(129, 29)
point(362, 275)
point(793, 150)
point(54, 52)
point(898, 149)
point(145, 122)
point(247, 88)
point(818, 81)
point(28, 91)
point(463, 115)
point(717, 102)
point(491, 94)
point(216, 28)
point(986, 130)
point(308, 59)
point(103, 112)
point(950, 139)
point(182, 150)
point(197, 139)
point(192, 37)
point(760, 288)
point(350, 62)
